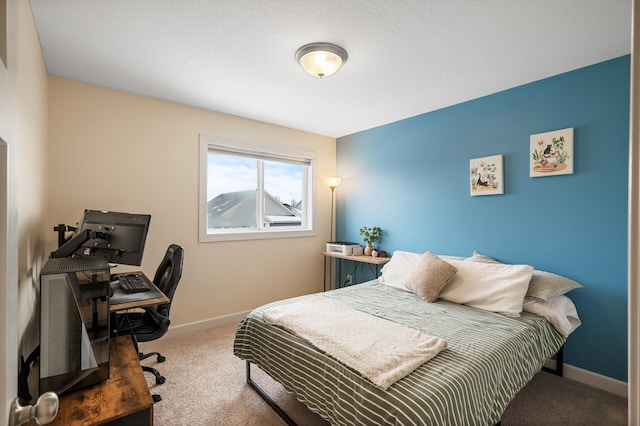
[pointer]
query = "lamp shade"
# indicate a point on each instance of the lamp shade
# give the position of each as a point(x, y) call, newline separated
point(321, 59)
point(334, 181)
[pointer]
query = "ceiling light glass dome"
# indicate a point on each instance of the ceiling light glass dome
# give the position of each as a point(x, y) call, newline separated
point(321, 60)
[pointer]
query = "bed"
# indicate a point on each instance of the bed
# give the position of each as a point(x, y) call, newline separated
point(489, 357)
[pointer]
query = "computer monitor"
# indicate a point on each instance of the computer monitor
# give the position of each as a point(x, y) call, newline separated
point(118, 237)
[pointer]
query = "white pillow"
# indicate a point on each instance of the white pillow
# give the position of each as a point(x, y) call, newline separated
point(546, 285)
point(397, 271)
point(494, 287)
point(559, 311)
point(543, 285)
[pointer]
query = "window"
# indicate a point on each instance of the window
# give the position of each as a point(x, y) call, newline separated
point(249, 192)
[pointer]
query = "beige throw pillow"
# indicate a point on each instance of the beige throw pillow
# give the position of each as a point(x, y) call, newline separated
point(430, 276)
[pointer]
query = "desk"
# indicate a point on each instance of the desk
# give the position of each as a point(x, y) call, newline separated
point(121, 301)
point(123, 399)
point(376, 261)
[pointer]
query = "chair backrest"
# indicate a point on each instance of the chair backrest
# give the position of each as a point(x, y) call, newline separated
point(168, 274)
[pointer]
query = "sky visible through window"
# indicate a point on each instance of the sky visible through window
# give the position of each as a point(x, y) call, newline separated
point(231, 173)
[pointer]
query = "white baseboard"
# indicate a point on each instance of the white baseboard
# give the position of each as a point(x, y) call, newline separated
point(208, 323)
point(614, 386)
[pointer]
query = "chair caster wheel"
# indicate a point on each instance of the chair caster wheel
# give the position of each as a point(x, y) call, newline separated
point(161, 358)
point(156, 398)
point(160, 380)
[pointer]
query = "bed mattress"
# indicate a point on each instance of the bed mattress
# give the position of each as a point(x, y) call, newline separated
point(489, 358)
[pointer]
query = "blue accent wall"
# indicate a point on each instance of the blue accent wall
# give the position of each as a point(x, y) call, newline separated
point(411, 178)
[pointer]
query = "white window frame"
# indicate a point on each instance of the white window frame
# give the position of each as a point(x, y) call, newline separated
point(256, 151)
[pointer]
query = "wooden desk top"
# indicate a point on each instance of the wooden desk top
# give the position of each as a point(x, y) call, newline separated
point(121, 302)
point(125, 392)
point(365, 259)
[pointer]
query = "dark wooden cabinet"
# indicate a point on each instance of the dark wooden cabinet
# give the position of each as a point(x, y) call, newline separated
point(123, 399)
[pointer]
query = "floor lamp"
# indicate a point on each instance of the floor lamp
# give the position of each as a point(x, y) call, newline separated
point(333, 183)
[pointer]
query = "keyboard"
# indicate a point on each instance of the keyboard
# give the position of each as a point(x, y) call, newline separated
point(133, 284)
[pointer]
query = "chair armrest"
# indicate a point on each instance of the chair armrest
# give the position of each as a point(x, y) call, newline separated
point(163, 321)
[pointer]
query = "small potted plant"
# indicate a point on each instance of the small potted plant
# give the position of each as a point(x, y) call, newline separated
point(371, 235)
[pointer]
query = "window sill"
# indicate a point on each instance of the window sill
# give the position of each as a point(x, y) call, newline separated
point(262, 235)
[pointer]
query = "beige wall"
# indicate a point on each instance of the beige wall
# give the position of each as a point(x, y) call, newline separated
point(116, 151)
point(23, 202)
point(32, 175)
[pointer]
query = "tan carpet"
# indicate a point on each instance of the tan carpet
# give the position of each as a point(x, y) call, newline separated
point(206, 386)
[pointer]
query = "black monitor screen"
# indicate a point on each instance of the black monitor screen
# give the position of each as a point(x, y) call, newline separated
point(120, 237)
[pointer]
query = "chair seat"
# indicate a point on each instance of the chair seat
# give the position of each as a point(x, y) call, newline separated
point(142, 324)
point(154, 322)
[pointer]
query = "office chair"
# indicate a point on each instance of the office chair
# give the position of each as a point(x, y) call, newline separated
point(154, 322)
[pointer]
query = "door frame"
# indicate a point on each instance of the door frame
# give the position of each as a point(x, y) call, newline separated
point(633, 291)
point(8, 289)
point(8, 210)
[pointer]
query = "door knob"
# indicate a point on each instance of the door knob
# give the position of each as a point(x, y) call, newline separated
point(44, 411)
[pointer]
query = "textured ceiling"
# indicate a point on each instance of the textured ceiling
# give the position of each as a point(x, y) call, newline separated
point(406, 57)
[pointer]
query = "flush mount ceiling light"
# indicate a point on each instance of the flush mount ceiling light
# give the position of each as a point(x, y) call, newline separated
point(321, 59)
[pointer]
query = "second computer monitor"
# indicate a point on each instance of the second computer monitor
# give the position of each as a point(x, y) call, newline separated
point(121, 237)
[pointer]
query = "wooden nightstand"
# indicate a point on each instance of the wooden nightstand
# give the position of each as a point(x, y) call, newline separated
point(358, 260)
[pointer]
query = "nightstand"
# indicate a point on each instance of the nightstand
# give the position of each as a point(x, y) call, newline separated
point(359, 261)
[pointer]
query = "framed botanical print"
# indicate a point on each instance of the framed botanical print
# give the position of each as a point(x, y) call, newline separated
point(551, 153)
point(486, 176)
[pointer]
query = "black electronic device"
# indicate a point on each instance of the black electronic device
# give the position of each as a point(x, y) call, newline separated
point(117, 237)
point(133, 284)
point(74, 324)
point(72, 244)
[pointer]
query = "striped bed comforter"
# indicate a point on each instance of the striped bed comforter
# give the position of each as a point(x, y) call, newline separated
point(489, 358)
